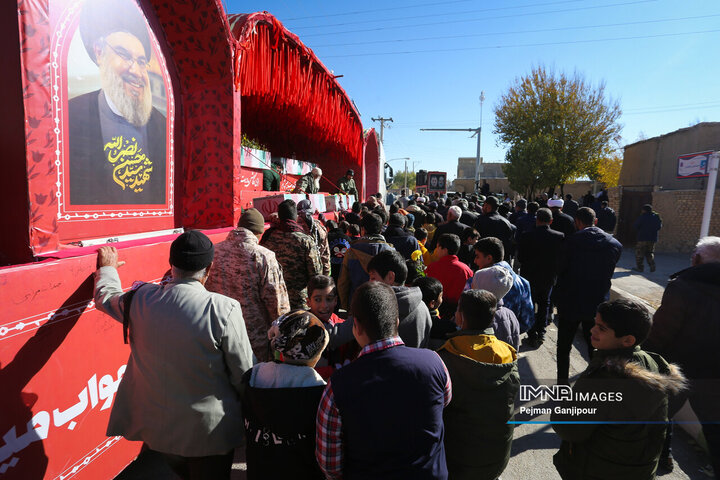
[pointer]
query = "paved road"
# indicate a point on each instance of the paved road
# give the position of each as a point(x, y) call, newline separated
point(534, 445)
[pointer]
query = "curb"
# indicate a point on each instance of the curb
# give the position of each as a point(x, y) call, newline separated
point(616, 293)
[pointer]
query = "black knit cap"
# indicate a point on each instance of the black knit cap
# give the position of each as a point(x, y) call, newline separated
point(192, 251)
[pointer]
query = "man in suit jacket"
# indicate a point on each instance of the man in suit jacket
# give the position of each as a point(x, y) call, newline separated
point(452, 225)
point(538, 253)
point(189, 350)
point(492, 224)
point(562, 222)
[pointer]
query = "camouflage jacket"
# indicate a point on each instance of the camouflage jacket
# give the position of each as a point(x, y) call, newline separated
point(305, 184)
point(297, 254)
point(250, 274)
point(322, 243)
point(347, 186)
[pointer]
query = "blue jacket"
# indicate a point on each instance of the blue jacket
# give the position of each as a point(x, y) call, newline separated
point(648, 225)
point(519, 299)
point(401, 240)
point(587, 263)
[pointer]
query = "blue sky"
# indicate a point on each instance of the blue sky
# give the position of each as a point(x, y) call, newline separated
point(424, 63)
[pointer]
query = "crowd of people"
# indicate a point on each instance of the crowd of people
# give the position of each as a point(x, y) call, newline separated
point(384, 343)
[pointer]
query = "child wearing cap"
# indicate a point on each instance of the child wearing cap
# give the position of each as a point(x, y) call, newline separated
point(498, 281)
point(280, 401)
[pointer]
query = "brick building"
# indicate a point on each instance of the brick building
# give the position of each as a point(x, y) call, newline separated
point(649, 175)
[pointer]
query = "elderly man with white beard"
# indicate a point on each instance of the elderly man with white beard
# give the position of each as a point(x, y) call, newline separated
point(117, 139)
point(309, 183)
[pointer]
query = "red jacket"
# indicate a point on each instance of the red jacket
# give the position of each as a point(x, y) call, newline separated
point(452, 273)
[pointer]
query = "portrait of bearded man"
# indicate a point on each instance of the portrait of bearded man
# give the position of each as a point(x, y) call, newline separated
point(117, 139)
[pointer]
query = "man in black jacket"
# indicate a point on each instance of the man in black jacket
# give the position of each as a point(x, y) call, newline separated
point(538, 253)
point(571, 206)
point(607, 219)
point(396, 235)
point(686, 331)
point(452, 225)
point(492, 224)
point(587, 264)
point(468, 217)
point(562, 222)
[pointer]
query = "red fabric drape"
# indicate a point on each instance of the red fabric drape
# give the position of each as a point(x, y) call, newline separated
point(290, 101)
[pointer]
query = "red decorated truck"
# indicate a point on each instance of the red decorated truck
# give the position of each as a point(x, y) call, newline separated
point(429, 183)
point(122, 122)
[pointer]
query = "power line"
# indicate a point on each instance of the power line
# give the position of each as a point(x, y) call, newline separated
point(639, 109)
point(544, 44)
point(545, 30)
point(356, 12)
point(478, 19)
point(679, 109)
point(433, 15)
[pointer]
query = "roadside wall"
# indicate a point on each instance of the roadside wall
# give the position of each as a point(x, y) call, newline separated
point(681, 212)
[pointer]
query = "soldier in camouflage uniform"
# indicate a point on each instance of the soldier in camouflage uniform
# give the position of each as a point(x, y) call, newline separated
point(250, 274)
point(314, 227)
point(295, 251)
point(309, 183)
point(346, 184)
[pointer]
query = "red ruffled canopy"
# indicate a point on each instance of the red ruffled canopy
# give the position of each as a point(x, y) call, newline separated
point(290, 101)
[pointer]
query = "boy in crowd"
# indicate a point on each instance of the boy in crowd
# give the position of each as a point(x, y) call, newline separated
point(322, 302)
point(354, 272)
point(432, 292)
point(421, 234)
point(466, 254)
point(452, 273)
point(353, 232)
point(485, 381)
point(280, 401)
point(616, 443)
point(389, 268)
point(489, 251)
point(498, 281)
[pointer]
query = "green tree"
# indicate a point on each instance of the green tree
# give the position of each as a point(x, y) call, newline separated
point(559, 127)
point(526, 163)
point(399, 180)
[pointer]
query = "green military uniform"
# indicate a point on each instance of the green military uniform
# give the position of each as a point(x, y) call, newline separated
point(347, 186)
point(306, 184)
point(271, 180)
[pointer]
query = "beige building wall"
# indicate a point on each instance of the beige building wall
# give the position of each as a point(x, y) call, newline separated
point(681, 212)
point(653, 162)
point(651, 166)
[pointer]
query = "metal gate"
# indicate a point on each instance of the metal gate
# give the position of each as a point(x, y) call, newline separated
point(630, 209)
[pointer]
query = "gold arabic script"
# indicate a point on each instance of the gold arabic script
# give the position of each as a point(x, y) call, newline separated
point(132, 168)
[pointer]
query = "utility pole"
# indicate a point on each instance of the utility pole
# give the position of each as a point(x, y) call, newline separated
point(477, 131)
point(709, 193)
point(406, 175)
point(382, 125)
